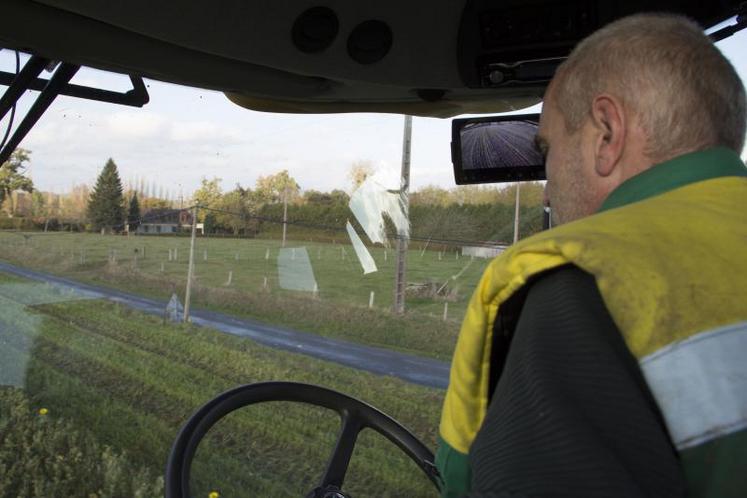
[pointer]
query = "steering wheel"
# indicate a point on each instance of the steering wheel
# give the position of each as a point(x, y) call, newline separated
point(355, 416)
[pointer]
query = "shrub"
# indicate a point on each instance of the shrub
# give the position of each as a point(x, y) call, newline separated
point(42, 456)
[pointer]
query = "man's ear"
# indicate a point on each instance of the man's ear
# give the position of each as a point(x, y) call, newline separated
point(609, 121)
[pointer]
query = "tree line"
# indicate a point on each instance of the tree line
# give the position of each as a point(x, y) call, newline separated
point(463, 213)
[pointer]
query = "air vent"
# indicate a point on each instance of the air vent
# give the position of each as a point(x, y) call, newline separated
point(369, 42)
point(315, 30)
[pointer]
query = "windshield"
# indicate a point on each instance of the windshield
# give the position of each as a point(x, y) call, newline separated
point(153, 258)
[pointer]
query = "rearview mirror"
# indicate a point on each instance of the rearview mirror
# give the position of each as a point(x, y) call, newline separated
point(496, 149)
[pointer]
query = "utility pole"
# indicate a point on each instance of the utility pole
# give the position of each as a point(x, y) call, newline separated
point(190, 271)
point(516, 215)
point(285, 213)
point(400, 281)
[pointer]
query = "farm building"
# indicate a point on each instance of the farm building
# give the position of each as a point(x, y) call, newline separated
point(483, 251)
point(165, 221)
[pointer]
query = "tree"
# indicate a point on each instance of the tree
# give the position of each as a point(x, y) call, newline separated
point(209, 223)
point(431, 195)
point(334, 197)
point(208, 195)
point(152, 203)
point(73, 206)
point(12, 177)
point(237, 207)
point(106, 204)
point(133, 215)
point(38, 205)
point(272, 189)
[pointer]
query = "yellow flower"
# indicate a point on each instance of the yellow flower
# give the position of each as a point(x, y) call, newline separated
point(43, 411)
point(213, 494)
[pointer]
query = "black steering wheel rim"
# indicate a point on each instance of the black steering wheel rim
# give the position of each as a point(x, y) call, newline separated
point(355, 414)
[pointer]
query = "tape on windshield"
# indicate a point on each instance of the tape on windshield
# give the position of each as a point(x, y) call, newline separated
point(295, 271)
point(373, 200)
point(364, 256)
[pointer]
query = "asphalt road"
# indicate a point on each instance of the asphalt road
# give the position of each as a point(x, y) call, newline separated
point(509, 143)
point(410, 368)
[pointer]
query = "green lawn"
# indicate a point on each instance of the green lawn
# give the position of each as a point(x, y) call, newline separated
point(339, 308)
point(121, 383)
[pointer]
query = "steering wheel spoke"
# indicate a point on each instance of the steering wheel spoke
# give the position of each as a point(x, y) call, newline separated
point(343, 452)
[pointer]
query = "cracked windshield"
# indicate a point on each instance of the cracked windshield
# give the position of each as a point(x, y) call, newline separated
point(153, 258)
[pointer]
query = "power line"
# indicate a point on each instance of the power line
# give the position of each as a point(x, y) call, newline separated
point(341, 229)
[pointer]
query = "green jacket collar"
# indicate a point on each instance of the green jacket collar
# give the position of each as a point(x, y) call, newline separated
point(678, 172)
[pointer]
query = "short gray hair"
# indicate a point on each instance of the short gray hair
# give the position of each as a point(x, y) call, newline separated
point(684, 92)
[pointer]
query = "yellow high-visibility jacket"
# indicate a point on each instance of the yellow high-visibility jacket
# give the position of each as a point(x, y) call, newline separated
point(672, 271)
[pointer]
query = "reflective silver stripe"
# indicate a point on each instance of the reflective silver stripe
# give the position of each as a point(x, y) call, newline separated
point(700, 384)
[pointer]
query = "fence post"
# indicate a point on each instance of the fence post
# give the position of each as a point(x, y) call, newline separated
point(191, 265)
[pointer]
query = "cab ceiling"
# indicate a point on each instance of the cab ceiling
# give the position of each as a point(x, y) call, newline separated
point(247, 49)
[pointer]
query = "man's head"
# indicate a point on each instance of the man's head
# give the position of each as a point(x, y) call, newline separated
point(638, 92)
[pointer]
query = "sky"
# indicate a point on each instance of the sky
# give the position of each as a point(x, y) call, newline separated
point(185, 134)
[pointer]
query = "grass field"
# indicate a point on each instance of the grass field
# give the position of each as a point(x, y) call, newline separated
point(340, 308)
point(117, 384)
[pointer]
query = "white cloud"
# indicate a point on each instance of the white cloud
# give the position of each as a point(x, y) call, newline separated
point(136, 124)
point(203, 131)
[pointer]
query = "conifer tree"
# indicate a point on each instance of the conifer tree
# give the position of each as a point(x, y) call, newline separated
point(133, 215)
point(106, 204)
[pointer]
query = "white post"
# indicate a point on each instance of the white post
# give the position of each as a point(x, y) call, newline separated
point(385, 254)
point(267, 254)
point(191, 265)
point(204, 254)
point(516, 215)
point(230, 277)
point(371, 299)
point(446, 310)
point(285, 213)
point(264, 284)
